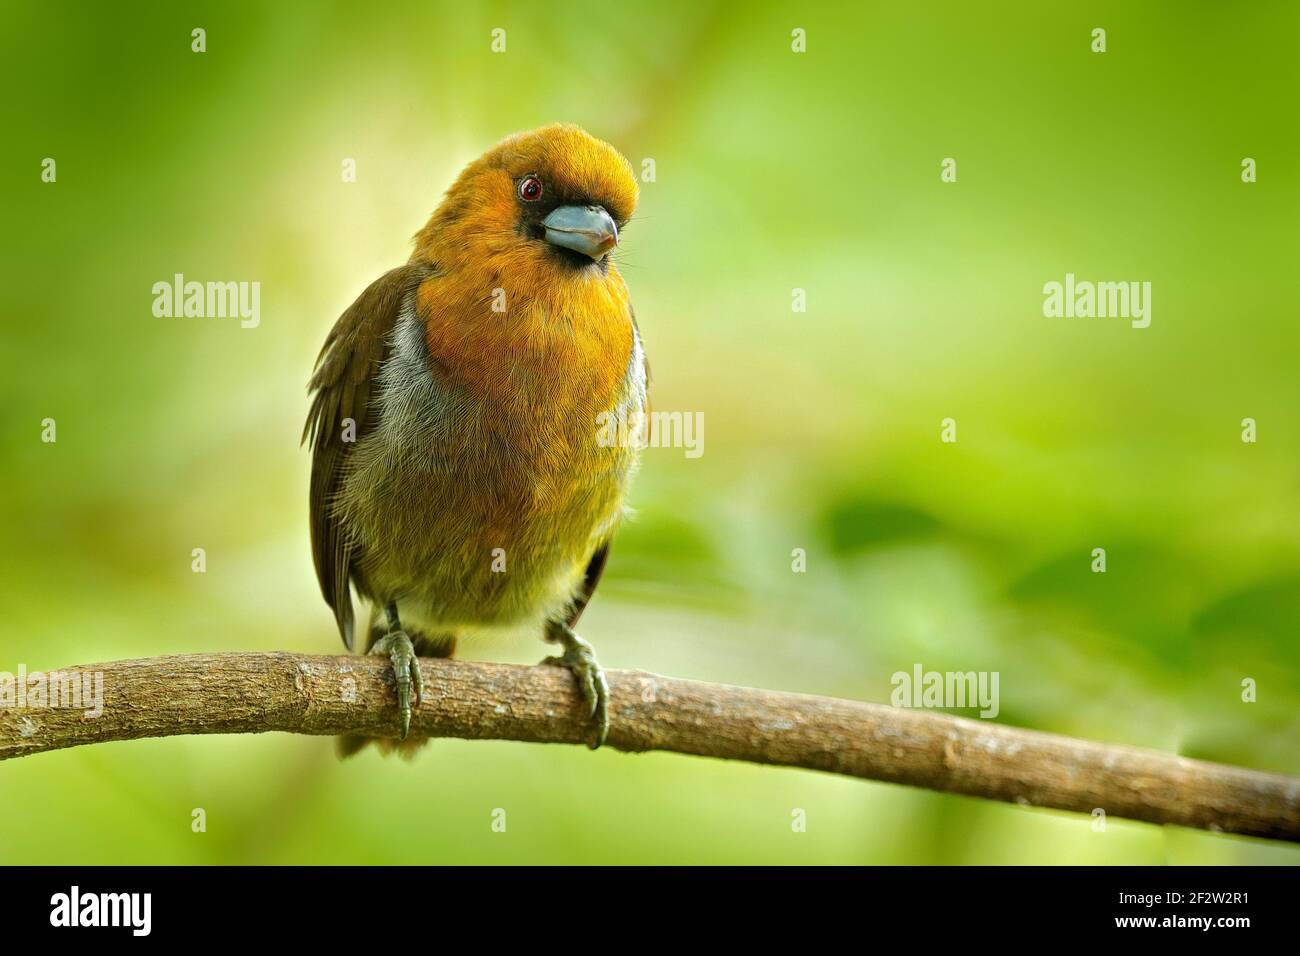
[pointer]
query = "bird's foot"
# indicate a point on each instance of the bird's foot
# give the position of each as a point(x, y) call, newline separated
point(581, 659)
point(406, 668)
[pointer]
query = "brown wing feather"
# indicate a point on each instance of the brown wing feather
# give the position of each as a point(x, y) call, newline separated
point(595, 568)
point(345, 372)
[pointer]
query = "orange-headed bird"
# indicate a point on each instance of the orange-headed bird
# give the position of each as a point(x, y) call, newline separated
point(460, 480)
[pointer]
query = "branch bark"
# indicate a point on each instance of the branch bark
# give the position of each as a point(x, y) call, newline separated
point(258, 692)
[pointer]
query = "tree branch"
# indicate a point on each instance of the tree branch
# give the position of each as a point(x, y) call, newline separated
point(257, 692)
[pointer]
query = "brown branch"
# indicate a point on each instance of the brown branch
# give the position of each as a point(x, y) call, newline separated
point(257, 692)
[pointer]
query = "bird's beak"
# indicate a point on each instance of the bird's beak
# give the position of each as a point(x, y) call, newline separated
point(585, 229)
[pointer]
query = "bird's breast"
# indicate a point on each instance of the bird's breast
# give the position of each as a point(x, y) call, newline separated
point(566, 343)
point(487, 438)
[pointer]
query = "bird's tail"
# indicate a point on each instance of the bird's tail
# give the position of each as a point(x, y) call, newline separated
point(438, 645)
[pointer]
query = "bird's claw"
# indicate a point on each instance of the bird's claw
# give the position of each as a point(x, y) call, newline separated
point(406, 670)
point(579, 658)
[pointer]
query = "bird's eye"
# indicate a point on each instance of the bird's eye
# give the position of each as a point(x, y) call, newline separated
point(530, 190)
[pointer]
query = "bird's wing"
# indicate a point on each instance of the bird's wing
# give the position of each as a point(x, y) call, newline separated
point(596, 566)
point(345, 374)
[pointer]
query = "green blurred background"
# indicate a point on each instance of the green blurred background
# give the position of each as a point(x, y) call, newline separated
point(775, 171)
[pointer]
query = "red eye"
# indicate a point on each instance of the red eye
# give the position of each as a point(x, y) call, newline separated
point(530, 190)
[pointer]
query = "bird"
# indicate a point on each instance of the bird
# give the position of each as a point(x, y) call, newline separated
point(460, 481)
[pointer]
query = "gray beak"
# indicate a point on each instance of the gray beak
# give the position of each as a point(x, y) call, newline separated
point(585, 229)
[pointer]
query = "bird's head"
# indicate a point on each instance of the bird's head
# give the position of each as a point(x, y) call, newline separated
point(552, 200)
